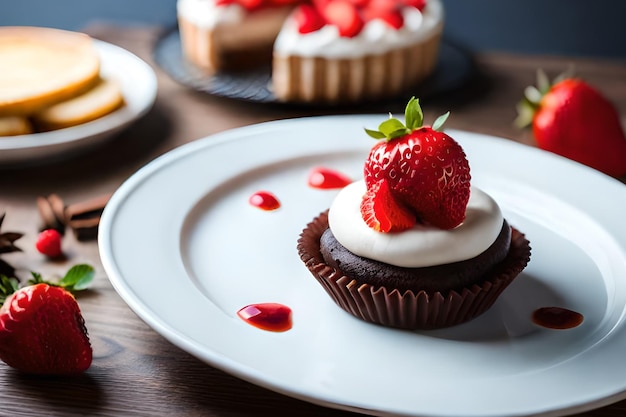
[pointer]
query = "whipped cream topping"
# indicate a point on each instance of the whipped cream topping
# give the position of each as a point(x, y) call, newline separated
point(422, 245)
point(377, 37)
point(207, 14)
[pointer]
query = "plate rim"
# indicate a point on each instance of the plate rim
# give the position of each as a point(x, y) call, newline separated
point(226, 363)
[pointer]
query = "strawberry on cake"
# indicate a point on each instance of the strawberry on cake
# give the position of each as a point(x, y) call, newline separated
point(324, 51)
point(414, 245)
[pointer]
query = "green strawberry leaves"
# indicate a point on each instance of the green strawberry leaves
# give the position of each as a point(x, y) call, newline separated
point(7, 287)
point(414, 117)
point(393, 128)
point(77, 278)
point(529, 104)
point(439, 121)
point(375, 133)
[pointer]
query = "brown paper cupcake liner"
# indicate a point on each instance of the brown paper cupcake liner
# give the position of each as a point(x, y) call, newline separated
point(415, 310)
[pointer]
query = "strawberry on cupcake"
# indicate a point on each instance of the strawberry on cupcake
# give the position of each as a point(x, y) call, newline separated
point(414, 245)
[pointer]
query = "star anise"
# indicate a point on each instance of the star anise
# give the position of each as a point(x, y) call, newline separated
point(7, 245)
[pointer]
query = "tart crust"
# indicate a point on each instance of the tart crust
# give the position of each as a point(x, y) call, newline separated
point(315, 79)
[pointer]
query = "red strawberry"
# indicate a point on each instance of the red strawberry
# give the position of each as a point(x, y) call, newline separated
point(376, 8)
point(308, 18)
point(272, 3)
point(345, 16)
point(392, 17)
point(382, 212)
point(320, 5)
point(418, 4)
point(49, 243)
point(425, 170)
point(572, 119)
point(389, 11)
point(250, 4)
point(359, 3)
point(42, 330)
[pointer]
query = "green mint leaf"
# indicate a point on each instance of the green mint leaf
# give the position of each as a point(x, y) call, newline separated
point(440, 121)
point(375, 134)
point(390, 126)
point(413, 115)
point(78, 277)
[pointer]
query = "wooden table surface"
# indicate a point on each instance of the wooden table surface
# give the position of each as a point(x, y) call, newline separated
point(135, 371)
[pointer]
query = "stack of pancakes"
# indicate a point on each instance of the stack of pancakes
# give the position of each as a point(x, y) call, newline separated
point(50, 79)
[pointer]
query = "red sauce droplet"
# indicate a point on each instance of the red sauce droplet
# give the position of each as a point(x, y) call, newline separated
point(274, 317)
point(326, 178)
point(557, 318)
point(264, 200)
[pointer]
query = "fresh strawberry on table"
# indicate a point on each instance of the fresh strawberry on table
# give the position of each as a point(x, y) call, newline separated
point(42, 330)
point(415, 174)
point(571, 118)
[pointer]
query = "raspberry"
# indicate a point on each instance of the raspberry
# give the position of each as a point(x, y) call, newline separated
point(49, 243)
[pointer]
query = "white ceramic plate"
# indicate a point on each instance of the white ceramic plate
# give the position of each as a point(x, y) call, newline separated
point(139, 87)
point(185, 250)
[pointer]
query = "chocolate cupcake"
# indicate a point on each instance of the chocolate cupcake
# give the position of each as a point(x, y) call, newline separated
point(372, 298)
point(414, 246)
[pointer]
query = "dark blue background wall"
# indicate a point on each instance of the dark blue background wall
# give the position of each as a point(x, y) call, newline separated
point(562, 27)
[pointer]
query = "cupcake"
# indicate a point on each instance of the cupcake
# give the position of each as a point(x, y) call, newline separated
point(414, 245)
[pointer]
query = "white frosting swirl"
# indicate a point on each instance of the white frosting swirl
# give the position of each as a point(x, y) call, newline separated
point(420, 246)
point(377, 37)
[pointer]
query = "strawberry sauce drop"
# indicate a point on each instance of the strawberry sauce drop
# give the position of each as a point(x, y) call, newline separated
point(557, 318)
point(274, 317)
point(264, 200)
point(326, 178)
